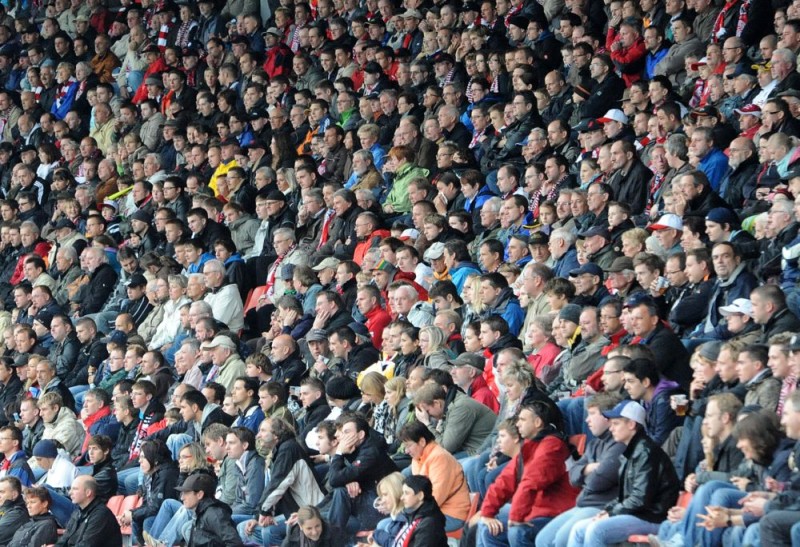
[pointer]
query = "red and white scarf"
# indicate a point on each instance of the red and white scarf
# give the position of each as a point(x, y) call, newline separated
point(163, 34)
point(273, 272)
point(719, 24)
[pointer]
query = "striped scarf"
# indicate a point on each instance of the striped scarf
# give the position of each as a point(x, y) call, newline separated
point(183, 33)
point(163, 33)
point(719, 25)
point(294, 42)
point(63, 90)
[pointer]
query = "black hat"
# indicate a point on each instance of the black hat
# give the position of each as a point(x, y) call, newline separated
point(707, 111)
point(373, 68)
point(65, 223)
point(190, 52)
point(27, 148)
point(137, 280)
point(360, 329)
point(257, 143)
point(376, 20)
point(599, 230)
point(230, 141)
point(199, 482)
point(588, 124)
point(258, 113)
point(443, 57)
point(44, 317)
point(467, 359)
point(152, 48)
point(538, 238)
point(589, 268)
point(341, 387)
point(584, 88)
point(116, 336)
point(239, 39)
point(142, 216)
point(519, 21)
point(743, 69)
point(276, 195)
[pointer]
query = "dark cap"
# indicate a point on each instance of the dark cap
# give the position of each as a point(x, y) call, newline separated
point(707, 111)
point(373, 68)
point(116, 336)
point(190, 52)
point(519, 21)
point(287, 272)
point(199, 482)
point(152, 48)
point(257, 114)
point(599, 230)
point(443, 57)
point(794, 343)
point(743, 69)
point(257, 143)
point(341, 387)
point(583, 89)
point(538, 238)
point(276, 195)
point(570, 312)
point(637, 299)
point(376, 20)
point(589, 268)
point(44, 317)
point(360, 329)
point(137, 280)
point(588, 125)
point(230, 141)
point(27, 148)
point(239, 39)
point(723, 215)
point(316, 335)
point(142, 216)
point(621, 263)
point(153, 80)
point(65, 223)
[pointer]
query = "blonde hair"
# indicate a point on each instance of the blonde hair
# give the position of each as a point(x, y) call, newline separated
point(374, 383)
point(392, 485)
point(436, 337)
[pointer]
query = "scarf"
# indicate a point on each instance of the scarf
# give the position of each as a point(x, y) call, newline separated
point(183, 33)
point(294, 41)
point(326, 227)
point(90, 421)
point(655, 186)
point(163, 33)
point(273, 272)
point(63, 90)
point(719, 25)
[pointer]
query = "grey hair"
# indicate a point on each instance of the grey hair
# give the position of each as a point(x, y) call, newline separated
point(565, 235)
point(678, 146)
point(494, 204)
point(31, 226)
point(787, 55)
point(202, 307)
point(288, 233)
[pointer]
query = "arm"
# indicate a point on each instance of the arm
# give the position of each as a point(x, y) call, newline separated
point(540, 472)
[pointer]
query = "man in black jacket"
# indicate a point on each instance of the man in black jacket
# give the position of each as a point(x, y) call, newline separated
point(213, 525)
point(355, 357)
point(94, 525)
point(10, 386)
point(102, 280)
point(360, 462)
point(648, 487)
point(13, 513)
point(315, 409)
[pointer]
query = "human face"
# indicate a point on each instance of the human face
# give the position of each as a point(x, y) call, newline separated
point(778, 361)
point(790, 420)
point(234, 447)
point(746, 367)
point(312, 529)
point(528, 424)
point(726, 366)
point(407, 344)
point(308, 395)
point(415, 449)
point(725, 262)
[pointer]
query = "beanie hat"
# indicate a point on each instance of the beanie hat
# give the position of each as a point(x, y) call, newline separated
point(45, 449)
point(570, 312)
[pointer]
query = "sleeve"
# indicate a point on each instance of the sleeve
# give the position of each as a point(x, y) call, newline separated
point(455, 434)
point(663, 421)
point(642, 490)
point(606, 476)
point(501, 490)
point(253, 486)
point(343, 473)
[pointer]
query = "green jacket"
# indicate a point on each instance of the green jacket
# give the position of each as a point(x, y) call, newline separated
point(398, 196)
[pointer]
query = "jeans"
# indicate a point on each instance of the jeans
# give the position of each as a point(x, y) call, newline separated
point(478, 477)
point(167, 524)
point(686, 529)
point(61, 506)
point(556, 533)
point(779, 528)
point(342, 507)
point(128, 480)
point(451, 524)
point(137, 527)
point(599, 533)
point(574, 416)
point(78, 393)
point(176, 441)
point(723, 497)
point(264, 535)
point(516, 536)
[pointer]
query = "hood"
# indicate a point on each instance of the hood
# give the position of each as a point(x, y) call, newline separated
point(732, 279)
point(665, 385)
point(508, 340)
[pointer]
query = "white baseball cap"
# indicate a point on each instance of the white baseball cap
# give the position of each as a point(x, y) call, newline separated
point(740, 305)
point(628, 409)
point(614, 115)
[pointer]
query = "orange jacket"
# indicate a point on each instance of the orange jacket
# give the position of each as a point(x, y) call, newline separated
point(449, 483)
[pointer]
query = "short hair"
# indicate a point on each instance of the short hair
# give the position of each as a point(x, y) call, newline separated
point(216, 432)
point(429, 393)
point(643, 369)
point(195, 397)
point(415, 431)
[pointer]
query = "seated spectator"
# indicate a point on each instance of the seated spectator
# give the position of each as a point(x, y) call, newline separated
point(213, 524)
point(60, 424)
point(13, 513)
point(648, 484)
point(241, 476)
point(533, 488)
point(652, 391)
point(442, 469)
point(42, 528)
point(15, 460)
point(461, 424)
point(93, 523)
point(59, 473)
point(310, 528)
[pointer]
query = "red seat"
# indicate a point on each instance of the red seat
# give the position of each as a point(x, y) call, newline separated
point(579, 442)
point(128, 504)
point(114, 504)
point(473, 508)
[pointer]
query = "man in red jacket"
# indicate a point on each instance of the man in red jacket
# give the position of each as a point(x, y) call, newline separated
point(533, 488)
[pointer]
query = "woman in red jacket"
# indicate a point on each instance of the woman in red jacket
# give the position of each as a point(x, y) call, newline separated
point(533, 488)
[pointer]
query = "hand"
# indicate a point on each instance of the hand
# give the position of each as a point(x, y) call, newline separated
point(320, 366)
point(476, 518)
point(494, 525)
point(492, 463)
point(289, 318)
point(740, 483)
point(250, 526)
point(422, 416)
point(347, 443)
point(773, 485)
point(265, 520)
point(690, 483)
point(292, 519)
point(755, 506)
point(319, 458)
point(716, 517)
point(602, 515)
point(353, 489)
point(675, 514)
point(387, 208)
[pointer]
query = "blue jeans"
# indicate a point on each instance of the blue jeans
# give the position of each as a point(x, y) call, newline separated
point(599, 533)
point(478, 477)
point(167, 524)
point(723, 497)
point(176, 441)
point(342, 507)
point(451, 524)
point(574, 416)
point(128, 480)
point(78, 393)
point(264, 535)
point(137, 527)
point(556, 533)
point(687, 528)
point(61, 507)
point(516, 536)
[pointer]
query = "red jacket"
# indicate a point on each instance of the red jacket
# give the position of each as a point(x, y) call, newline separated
point(629, 60)
point(372, 240)
point(479, 390)
point(377, 319)
point(278, 60)
point(541, 490)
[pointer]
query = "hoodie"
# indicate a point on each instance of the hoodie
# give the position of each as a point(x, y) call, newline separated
point(661, 419)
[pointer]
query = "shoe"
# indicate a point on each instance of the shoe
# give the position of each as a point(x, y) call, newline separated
point(674, 541)
point(149, 540)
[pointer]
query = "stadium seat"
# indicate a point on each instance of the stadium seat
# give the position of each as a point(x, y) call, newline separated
point(129, 503)
point(473, 508)
point(579, 442)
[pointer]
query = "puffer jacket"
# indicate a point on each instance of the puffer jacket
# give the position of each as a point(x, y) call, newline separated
point(648, 484)
point(40, 530)
point(507, 306)
point(213, 527)
point(13, 514)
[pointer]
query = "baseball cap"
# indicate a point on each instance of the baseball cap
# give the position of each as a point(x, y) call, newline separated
point(722, 215)
point(667, 222)
point(599, 230)
point(316, 335)
point(707, 111)
point(628, 409)
point(434, 252)
point(328, 262)
point(742, 69)
point(199, 482)
point(538, 238)
point(385, 266)
point(219, 340)
point(588, 268)
point(115, 336)
point(588, 125)
point(412, 14)
point(274, 31)
point(614, 115)
point(360, 329)
point(621, 263)
point(136, 280)
point(469, 360)
point(698, 64)
point(751, 109)
point(142, 216)
point(740, 305)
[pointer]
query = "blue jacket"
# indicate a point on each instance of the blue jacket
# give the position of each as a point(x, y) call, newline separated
point(566, 263)
point(251, 418)
point(714, 165)
point(508, 308)
point(20, 468)
point(661, 419)
point(461, 271)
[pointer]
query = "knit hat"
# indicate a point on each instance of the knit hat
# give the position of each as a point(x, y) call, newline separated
point(340, 387)
point(45, 449)
point(710, 350)
point(570, 312)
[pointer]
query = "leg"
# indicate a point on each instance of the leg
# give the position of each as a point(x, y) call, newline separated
point(577, 535)
point(452, 524)
point(724, 497)
point(778, 528)
point(796, 535)
point(472, 467)
point(177, 441)
point(752, 536)
point(165, 515)
point(616, 530)
point(525, 534)
point(340, 508)
point(572, 410)
point(486, 539)
point(702, 497)
point(489, 477)
point(122, 478)
point(556, 533)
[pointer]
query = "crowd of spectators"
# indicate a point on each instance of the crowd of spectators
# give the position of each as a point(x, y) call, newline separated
point(374, 272)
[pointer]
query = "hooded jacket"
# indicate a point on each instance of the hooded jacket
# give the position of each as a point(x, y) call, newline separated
point(661, 419)
point(292, 483)
point(13, 514)
point(535, 481)
point(507, 306)
point(600, 486)
point(366, 465)
point(67, 430)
